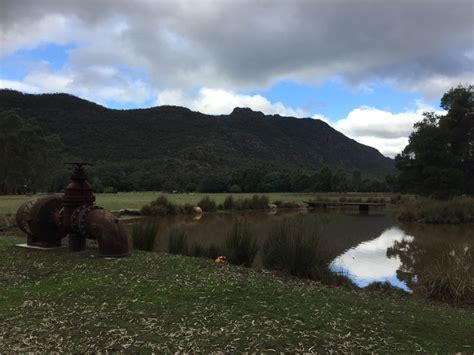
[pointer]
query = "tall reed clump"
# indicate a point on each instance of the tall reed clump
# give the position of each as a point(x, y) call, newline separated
point(177, 242)
point(241, 245)
point(144, 235)
point(450, 278)
point(160, 207)
point(292, 246)
point(454, 211)
point(207, 204)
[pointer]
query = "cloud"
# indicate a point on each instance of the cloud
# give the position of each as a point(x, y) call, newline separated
point(241, 46)
point(98, 84)
point(219, 101)
point(368, 261)
point(386, 131)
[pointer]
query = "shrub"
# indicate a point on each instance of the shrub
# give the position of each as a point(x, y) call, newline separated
point(235, 189)
point(144, 235)
point(229, 203)
point(291, 246)
point(241, 245)
point(177, 242)
point(207, 204)
point(109, 190)
point(161, 207)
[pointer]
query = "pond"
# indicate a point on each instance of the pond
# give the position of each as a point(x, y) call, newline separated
point(365, 248)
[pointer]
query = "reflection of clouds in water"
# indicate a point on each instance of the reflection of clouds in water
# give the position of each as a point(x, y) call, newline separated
point(368, 262)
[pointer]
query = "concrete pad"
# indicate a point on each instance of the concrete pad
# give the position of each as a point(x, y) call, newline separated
point(26, 246)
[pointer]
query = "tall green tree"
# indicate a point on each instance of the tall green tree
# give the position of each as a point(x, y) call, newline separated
point(28, 156)
point(439, 158)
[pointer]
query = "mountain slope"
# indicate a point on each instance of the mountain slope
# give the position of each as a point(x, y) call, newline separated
point(92, 132)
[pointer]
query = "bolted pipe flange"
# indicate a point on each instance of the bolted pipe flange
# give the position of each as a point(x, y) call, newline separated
point(78, 218)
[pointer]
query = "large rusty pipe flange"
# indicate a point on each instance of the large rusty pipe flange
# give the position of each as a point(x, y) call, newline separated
point(38, 218)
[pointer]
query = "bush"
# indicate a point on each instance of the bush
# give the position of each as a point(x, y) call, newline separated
point(241, 245)
point(144, 235)
point(254, 203)
point(229, 203)
point(161, 207)
point(177, 242)
point(291, 246)
point(207, 204)
point(109, 190)
point(235, 189)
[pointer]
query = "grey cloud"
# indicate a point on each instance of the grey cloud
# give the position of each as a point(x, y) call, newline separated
point(250, 44)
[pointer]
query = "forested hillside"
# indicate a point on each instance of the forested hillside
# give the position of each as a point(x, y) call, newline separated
point(176, 142)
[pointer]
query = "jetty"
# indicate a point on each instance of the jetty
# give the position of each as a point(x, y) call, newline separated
point(363, 206)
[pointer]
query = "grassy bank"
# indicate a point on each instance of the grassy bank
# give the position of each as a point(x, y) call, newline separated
point(76, 302)
point(135, 200)
point(424, 210)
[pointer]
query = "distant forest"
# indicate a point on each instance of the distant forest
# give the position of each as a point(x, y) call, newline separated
point(174, 149)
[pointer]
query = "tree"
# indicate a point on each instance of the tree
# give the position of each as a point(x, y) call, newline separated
point(28, 156)
point(439, 158)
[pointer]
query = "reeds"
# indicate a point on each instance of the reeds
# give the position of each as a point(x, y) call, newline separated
point(424, 210)
point(292, 246)
point(450, 278)
point(241, 245)
point(256, 202)
point(177, 242)
point(144, 235)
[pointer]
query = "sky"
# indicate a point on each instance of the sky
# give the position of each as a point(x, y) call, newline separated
point(369, 68)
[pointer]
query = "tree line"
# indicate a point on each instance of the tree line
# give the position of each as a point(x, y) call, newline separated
point(438, 161)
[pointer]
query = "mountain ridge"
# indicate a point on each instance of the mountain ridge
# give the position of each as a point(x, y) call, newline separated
point(94, 132)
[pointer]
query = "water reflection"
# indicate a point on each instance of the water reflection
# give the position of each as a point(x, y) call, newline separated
point(368, 262)
point(365, 248)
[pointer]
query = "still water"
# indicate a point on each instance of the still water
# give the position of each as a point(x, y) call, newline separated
point(364, 248)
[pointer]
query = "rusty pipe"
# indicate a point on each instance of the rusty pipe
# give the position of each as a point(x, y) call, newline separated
point(93, 222)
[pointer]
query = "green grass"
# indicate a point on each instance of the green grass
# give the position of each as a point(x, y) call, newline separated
point(63, 302)
point(136, 200)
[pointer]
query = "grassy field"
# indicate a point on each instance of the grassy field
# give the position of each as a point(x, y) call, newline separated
point(57, 301)
point(9, 204)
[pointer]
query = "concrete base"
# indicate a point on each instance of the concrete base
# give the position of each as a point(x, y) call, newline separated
point(26, 246)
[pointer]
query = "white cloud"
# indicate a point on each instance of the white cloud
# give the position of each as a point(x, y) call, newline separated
point(18, 85)
point(219, 101)
point(322, 118)
point(368, 261)
point(386, 131)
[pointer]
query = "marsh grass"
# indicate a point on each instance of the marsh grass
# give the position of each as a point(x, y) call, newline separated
point(450, 278)
point(256, 202)
point(177, 242)
point(241, 244)
point(424, 210)
point(144, 235)
point(292, 246)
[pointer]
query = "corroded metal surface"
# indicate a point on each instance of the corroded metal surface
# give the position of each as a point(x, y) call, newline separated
point(37, 218)
point(48, 219)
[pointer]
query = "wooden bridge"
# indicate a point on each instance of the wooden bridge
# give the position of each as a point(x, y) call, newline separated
point(363, 206)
